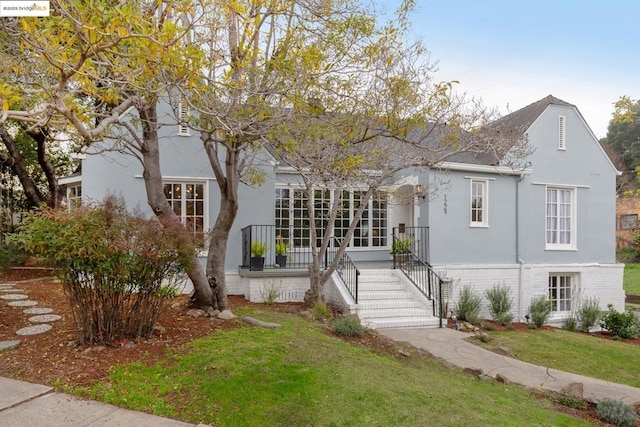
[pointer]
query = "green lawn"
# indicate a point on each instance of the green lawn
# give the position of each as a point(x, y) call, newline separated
point(632, 279)
point(559, 349)
point(299, 376)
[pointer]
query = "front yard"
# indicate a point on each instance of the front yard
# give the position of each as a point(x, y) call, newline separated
point(632, 279)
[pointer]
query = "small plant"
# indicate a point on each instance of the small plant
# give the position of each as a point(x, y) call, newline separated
point(482, 337)
point(617, 413)
point(321, 311)
point(11, 256)
point(589, 313)
point(348, 326)
point(468, 306)
point(500, 303)
point(570, 323)
point(281, 248)
point(570, 400)
point(488, 326)
point(258, 249)
point(401, 245)
point(623, 325)
point(540, 310)
point(271, 291)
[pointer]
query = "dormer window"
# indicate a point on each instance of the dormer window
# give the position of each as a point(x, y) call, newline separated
point(183, 118)
point(562, 136)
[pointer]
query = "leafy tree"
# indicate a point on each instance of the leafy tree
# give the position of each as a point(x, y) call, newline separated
point(623, 133)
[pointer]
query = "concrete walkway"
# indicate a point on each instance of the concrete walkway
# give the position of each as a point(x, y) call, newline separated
point(25, 404)
point(449, 345)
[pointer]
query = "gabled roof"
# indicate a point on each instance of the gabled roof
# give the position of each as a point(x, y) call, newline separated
point(522, 119)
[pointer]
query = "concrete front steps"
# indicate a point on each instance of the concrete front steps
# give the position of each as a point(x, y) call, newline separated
point(385, 302)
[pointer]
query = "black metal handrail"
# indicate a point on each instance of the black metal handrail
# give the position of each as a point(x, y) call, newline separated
point(346, 269)
point(427, 281)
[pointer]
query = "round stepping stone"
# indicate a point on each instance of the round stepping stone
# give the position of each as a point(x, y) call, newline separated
point(38, 310)
point(9, 345)
point(44, 318)
point(8, 291)
point(14, 296)
point(35, 329)
point(25, 303)
point(7, 285)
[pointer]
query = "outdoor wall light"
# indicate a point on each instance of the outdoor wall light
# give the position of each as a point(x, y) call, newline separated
point(420, 191)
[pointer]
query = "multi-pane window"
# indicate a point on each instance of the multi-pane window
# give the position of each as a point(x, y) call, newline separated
point(560, 292)
point(74, 197)
point(479, 199)
point(560, 224)
point(187, 200)
point(292, 219)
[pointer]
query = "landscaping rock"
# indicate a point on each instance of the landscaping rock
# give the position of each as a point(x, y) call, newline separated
point(175, 306)
point(38, 310)
point(24, 303)
point(11, 291)
point(404, 352)
point(226, 315)
point(212, 313)
point(9, 345)
point(256, 322)
point(45, 318)
point(33, 330)
point(159, 329)
point(196, 312)
point(505, 351)
point(476, 372)
point(574, 389)
point(94, 349)
point(13, 296)
point(502, 379)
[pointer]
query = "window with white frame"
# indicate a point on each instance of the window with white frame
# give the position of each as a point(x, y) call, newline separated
point(561, 291)
point(183, 118)
point(188, 202)
point(292, 221)
point(479, 202)
point(562, 133)
point(560, 218)
point(74, 197)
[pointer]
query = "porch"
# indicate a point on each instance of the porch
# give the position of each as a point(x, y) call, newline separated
point(385, 291)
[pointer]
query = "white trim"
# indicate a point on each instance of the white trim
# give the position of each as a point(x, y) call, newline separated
point(569, 186)
point(572, 245)
point(479, 178)
point(562, 133)
point(485, 203)
point(184, 178)
point(67, 180)
point(468, 167)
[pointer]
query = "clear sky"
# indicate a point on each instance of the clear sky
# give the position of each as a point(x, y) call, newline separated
point(511, 53)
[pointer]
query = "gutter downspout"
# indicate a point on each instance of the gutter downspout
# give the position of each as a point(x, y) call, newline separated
point(518, 258)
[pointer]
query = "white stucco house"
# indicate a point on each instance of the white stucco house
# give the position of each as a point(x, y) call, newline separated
point(548, 229)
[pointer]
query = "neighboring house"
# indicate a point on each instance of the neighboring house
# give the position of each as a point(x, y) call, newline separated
point(627, 210)
point(546, 230)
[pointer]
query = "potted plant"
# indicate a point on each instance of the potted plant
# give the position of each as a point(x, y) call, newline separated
point(400, 249)
point(281, 253)
point(258, 249)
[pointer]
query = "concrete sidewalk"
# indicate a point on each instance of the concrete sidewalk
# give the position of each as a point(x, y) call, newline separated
point(25, 404)
point(449, 345)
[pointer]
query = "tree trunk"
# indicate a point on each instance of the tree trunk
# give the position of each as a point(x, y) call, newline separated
point(203, 296)
point(314, 294)
point(228, 181)
point(16, 162)
point(55, 191)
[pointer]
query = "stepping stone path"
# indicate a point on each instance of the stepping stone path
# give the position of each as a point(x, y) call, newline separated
point(39, 315)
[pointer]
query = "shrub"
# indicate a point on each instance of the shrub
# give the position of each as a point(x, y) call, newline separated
point(540, 310)
point(270, 291)
point(570, 323)
point(589, 313)
point(468, 305)
point(117, 268)
point(321, 311)
point(348, 326)
point(623, 325)
point(570, 400)
point(617, 413)
point(500, 303)
point(11, 255)
point(258, 249)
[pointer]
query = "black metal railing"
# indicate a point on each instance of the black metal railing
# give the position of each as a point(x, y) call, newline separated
point(410, 240)
point(346, 269)
point(427, 281)
point(279, 250)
